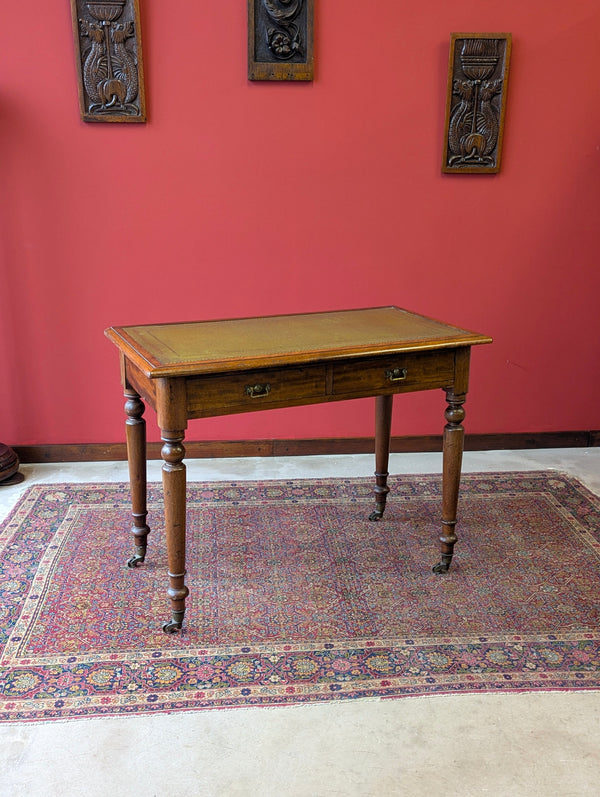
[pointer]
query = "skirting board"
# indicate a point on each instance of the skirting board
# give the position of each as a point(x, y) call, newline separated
point(99, 452)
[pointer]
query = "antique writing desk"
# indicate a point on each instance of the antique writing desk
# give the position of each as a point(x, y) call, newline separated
point(207, 368)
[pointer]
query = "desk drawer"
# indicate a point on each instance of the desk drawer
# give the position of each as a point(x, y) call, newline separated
point(394, 373)
point(254, 390)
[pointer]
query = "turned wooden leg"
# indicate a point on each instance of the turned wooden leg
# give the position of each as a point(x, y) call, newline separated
point(452, 462)
point(383, 425)
point(174, 487)
point(136, 457)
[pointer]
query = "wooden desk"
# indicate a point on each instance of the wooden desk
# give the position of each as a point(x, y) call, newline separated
point(208, 368)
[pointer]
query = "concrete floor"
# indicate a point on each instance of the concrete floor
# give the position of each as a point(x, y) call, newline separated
point(529, 744)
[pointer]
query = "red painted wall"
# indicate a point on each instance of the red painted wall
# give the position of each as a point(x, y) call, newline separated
point(241, 198)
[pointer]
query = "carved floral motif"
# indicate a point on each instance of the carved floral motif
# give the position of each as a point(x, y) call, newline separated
point(280, 39)
point(283, 35)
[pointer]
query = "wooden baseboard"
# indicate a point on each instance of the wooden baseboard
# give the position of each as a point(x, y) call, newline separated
point(99, 452)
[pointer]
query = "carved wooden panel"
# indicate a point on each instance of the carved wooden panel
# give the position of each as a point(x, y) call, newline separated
point(476, 102)
point(280, 39)
point(108, 47)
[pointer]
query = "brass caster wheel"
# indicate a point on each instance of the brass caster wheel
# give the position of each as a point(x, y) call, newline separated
point(376, 514)
point(137, 558)
point(174, 624)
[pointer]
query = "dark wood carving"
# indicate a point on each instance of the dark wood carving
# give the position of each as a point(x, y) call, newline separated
point(109, 58)
point(280, 39)
point(476, 102)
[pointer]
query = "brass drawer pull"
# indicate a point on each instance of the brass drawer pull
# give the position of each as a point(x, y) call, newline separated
point(396, 374)
point(258, 391)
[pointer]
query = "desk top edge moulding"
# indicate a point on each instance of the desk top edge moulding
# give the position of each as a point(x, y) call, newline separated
point(108, 49)
point(476, 102)
point(178, 349)
point(281, 40)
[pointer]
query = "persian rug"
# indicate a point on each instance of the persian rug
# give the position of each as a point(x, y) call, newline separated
point(296, 597)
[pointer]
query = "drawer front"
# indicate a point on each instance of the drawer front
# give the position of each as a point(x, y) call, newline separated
point(394, 373)
point(254, 390)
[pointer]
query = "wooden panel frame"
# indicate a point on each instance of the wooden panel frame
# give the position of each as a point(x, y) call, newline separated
point(108, 48)
point(281, 40)
point(476, 102)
